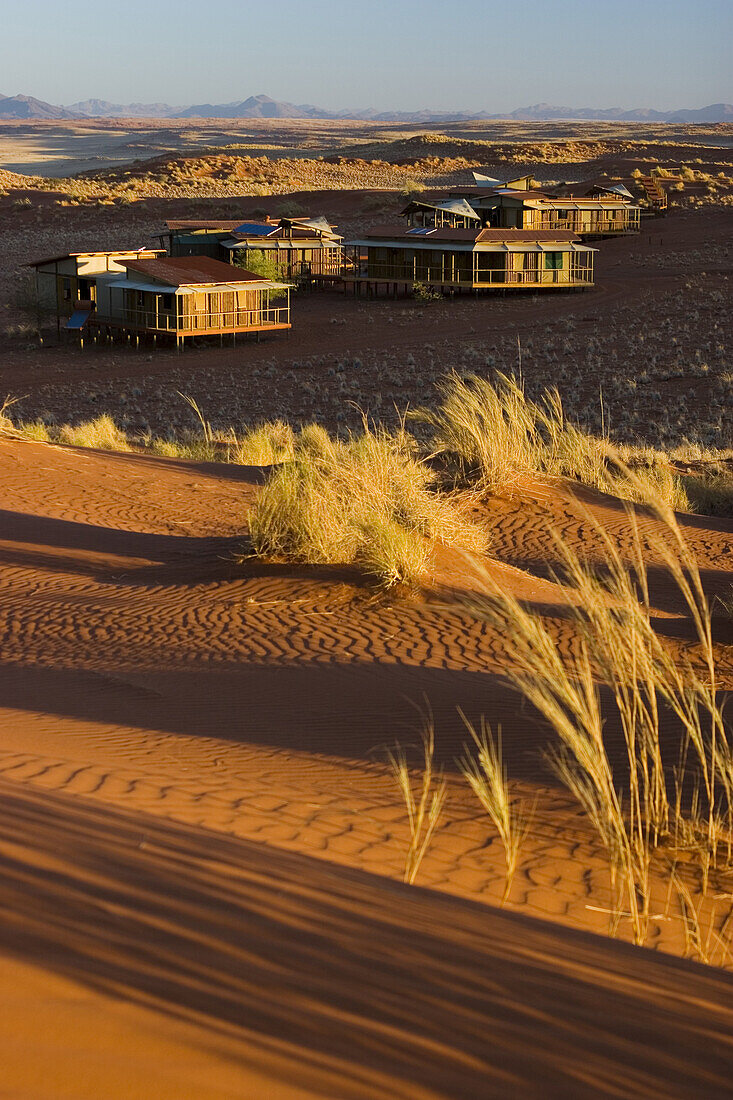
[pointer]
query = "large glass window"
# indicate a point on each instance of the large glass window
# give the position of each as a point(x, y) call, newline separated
point(553, 261)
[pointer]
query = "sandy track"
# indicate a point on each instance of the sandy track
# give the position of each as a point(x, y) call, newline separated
point(278, 973)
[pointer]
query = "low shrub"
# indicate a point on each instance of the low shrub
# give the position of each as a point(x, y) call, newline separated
point(367, 501)
point(102, 434)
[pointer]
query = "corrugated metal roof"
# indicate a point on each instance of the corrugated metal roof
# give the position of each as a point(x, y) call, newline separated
point(191, 270)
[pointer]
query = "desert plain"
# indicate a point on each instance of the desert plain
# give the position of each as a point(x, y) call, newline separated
point(203, 839)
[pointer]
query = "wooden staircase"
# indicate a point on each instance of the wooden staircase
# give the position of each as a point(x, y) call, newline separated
point(655, 194)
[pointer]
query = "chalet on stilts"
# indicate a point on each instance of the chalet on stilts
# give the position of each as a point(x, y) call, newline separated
point(305, 249)
point(179, 297)
point(68, 284)
point(588, 210)
point(393, 259)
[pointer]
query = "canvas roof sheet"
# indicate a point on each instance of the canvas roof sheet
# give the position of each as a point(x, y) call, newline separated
point(279, 243)
point(116, 252)
point(461, 207)
point(487, 181)
point(319, 222)
point(472, 236)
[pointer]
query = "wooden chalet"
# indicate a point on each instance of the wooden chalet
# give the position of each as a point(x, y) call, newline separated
point(393, 258)
point(457, 213)
point(65, 283)
point(190, 296)
point(304, 248)
point(601, 209)
point(197, 237)
point(151, 294)
point(601, 214)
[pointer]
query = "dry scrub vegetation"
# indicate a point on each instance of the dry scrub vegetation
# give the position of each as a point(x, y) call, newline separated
point(489, 434)
point(641, 741)
point(366, 500)
point(670, 806)
point(376, 498)
point(639, 736)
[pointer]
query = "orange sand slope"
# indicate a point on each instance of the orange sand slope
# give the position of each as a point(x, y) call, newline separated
point(180, 735)
point(157, 960)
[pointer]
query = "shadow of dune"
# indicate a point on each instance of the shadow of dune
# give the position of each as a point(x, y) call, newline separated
point(45, 531)
point(155, 464)
point(351, 985)
point(346, 711)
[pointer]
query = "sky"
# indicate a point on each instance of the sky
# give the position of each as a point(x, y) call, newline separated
point(491, 55)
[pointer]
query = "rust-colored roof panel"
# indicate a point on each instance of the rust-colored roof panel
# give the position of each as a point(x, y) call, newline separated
point(192, 271)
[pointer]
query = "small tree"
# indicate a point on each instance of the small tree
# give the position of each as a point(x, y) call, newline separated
point(259, 263)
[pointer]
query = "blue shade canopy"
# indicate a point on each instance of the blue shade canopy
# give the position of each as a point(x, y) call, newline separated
point(421, 231)
point(255, 229)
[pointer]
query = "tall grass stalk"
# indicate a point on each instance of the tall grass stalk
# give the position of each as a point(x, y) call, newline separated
point(617, 647)
point(424, 800)
point(487, 777)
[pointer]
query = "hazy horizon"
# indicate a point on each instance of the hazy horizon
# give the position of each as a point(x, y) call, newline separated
point(403, 55)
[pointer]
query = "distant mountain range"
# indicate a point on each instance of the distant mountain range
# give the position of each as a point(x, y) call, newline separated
point(262, 106)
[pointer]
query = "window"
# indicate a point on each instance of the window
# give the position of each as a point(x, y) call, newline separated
point(66, 284)
point(167, 301)
point(553, 261)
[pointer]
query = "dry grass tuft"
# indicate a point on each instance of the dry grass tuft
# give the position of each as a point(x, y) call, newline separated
point(366, 500)
point(488, 780)
point(490, 434)
point(102, 434)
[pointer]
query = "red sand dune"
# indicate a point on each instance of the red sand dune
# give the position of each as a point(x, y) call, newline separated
point(180, 735)
point(229, 969)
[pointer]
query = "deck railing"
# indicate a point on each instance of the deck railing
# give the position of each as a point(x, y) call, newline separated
point(462, 277)
point(196, 321)
point(628, 223)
